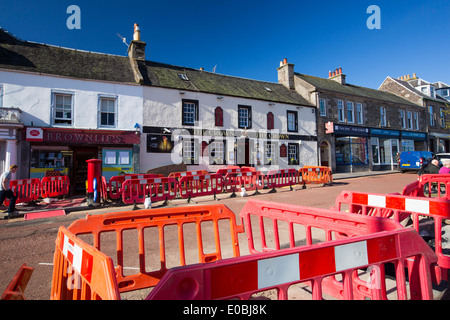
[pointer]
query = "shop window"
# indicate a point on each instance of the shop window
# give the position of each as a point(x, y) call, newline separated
point(52, 159)
point(190, 151)
point(270, 121)
point(218, 116)
point(388, 149)
point(375, 151)
point(189, 112)
point(62, 109)
point(244, 117)
point(107, 112)
point(293, 153)
point(292, 121)
point(351, 151)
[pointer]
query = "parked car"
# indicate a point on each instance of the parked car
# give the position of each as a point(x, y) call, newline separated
point(443, 156)
point(414, 160)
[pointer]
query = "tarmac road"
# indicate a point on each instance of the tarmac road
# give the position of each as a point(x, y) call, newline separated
point(33, 242)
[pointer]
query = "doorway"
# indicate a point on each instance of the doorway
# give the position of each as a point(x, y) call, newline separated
point(243, 152)
point(79, 169)
point(325, 154)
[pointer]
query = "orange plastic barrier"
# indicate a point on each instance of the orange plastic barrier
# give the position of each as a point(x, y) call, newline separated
point(399, 208)
point(26, 190)
point(429, 185)
point(200, 185)
point(55, 186)
point(282, 178)
point(334, 267)
point(150, 258)
point(158, 189)
point(81, 272)
point(316, 175)
point(250, 180)
point(178, 175)
point(16, 288)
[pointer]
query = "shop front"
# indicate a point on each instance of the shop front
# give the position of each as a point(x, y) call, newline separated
point(439, 142)
point(351, 149)
point(66, 151)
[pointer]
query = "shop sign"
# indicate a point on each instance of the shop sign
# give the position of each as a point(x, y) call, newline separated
point(90, 137)
point(383, 132)
point(35, 134)
point(329, 127)
point(349, 130)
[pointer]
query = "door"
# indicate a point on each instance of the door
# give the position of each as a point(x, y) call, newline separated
point(79, 170)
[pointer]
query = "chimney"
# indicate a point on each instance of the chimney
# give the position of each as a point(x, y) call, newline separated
point(136, 50)
point(286, 74)
point(337, 76)
point(136, 53)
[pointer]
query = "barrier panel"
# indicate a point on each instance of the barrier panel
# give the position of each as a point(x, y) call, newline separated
point(16, 288)
point(399, 208)
point(250, 180)
point(55, 186)
point(200, 185)
point(282, 178)
point(26, 190)
point(316, 175)
point(114, 186)
point(80, 271)
point(159, 241)
point(234, 169)
point(178, 175)
point(429, 185)
point(332, 267)
point(158, 189)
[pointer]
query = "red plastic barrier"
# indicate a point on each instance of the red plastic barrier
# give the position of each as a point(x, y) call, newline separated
point(159, 189)
point(114, 186)
point(372, 243)
point(26, 190)
point(16, 288)
point(430, 185)
point(178, 175)
point(250, 180)
point(234, 169)
point(282, 178)
point(399, 208)
point(55, 186)
point(200, 185)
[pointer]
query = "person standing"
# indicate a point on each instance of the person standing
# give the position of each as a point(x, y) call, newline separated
point(445, 166)
point(6, 192)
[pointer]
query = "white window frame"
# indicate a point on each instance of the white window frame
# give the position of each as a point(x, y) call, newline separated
point(383, 122)
point(219, 152)
point(293, 152)
point(442, 117)
point(409, 120)
point(100, 111)
point(323, 107)
point(359, 113)
point(1, 95)
point(431, 113)
point(403, 119)
point(416, 120)
point(350, 112)
point(341, 115)
point(54, 108)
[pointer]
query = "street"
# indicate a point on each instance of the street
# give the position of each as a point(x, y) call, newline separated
point(33, 242)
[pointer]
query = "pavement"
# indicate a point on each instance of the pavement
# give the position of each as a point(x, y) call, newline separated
point(77, 203)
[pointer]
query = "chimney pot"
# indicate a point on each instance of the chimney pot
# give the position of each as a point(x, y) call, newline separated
point(329, 74)
point(137, 33)
point(284, 61)
point(340, 70)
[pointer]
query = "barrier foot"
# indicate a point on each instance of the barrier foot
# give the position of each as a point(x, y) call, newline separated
point(291, 188)
point(233, 195)
point(273, 190)
point(256, 192)
point(135, 207)
point(304, 186)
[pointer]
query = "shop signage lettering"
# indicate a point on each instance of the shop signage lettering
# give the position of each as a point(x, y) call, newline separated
point(81, 137)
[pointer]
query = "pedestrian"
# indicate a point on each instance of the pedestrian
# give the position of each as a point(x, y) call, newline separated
point(445, 166)
point(431, 168)
point(6, 192)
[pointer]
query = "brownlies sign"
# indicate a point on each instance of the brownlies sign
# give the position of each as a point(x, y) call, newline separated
point(90, 137)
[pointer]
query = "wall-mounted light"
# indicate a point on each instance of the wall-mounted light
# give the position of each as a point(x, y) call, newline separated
point(219, 97)
point(271, 104)
point(181, 92)
point(137, 128)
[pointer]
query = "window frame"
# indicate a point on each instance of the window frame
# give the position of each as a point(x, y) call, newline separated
point(295, 115)
point(383, 122)
point(359, 113)
point(184, 103)
point(100, 112)
point(416, 120)
point(323, 107)
point(55, 109)
point(432, 116)
point(341, 111)
point(297, 154)
point(249, 116)
point(403, 119)
point(350, 112)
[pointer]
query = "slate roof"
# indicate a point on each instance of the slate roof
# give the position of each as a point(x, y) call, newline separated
point(16, 54)
point(350, 89)
point(407, 85)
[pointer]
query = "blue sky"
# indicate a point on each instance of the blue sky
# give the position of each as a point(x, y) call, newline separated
point(249, 38)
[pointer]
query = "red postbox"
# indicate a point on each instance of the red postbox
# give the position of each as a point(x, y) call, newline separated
point(94, 171)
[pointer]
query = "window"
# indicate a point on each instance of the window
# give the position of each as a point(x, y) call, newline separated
point(217, 152)
point(359, 113)
point(270, 155)
point(1, 95)
point(416, 120)
point(293, 153)
point(351, 150)
point(445, 92)
point(190, 151)
point(442, 117)
point(409, 120)
point(431, 112)
point(350, 112)
point(218, 117)
point(402, 119)
point(62, 108)
point(244, 117)
point(383, 116)
point(107, 112)
point(270, 121)
point(292, 121)
point(323, 107)
point(341, 111)
point(190, 112)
